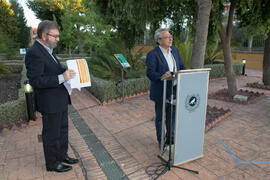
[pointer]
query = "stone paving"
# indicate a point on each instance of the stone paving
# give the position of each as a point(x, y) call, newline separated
point(128, 134)
point(21, 156)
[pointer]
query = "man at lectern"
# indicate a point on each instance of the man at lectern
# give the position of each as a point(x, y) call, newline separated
point(163, 60)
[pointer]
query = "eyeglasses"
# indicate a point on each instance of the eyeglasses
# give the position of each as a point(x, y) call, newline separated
point(55, 36)
point(167, 37)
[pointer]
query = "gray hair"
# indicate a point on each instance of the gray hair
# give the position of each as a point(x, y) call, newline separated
point(157, 35)
point(45, 26)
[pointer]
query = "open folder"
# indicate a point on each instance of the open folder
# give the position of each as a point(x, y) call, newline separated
point(82, 78)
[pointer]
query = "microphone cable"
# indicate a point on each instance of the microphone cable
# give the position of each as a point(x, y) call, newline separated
point(155, 170)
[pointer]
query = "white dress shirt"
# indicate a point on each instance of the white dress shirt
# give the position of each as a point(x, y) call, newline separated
point(169, 58)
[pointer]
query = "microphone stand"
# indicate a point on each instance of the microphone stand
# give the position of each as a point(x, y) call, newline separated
point(169, 164)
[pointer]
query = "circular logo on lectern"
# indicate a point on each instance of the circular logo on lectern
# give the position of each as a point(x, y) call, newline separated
point(192, 102)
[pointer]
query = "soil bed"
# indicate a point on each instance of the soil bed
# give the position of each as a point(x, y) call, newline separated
point(258, 85)
point(214, 115)
point(9, 86)
point(223, 95)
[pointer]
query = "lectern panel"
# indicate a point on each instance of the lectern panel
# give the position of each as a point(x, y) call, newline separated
point(191, 105)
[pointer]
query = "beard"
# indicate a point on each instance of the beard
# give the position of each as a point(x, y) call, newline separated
point(50, 44)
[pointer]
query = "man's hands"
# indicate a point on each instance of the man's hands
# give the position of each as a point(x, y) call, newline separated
point(69, 74)
point(166, 75)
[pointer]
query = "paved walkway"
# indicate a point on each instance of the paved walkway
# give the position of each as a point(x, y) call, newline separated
point(125, 134)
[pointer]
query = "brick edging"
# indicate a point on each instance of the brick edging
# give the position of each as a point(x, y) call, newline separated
point(218, 119)
point(119, 99)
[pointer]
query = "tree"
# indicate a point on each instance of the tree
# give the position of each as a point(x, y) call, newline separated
point(225, 34)
point(8, 29)
point(44, 9)
point(266, 61)
point(183, 15)
point(84, 29)
point(256, 13)
point(23, 35)
point(199, 45)
point(129, 18)
point(8, 22)
point(49, 10)
point(81, 25)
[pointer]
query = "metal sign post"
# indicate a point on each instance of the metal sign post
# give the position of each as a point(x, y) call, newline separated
point(123, 86)
point(124, 64)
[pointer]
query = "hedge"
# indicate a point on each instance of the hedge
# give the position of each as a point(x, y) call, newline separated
point(106, 90)
point(13, 112)
point(15, 67)
point(218, 70)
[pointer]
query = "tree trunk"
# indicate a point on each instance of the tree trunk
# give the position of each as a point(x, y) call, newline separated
point(199, 46)
point(250, 41)
point(80, 48)
point(266, 61)
point(225, 36)
point(230, 75)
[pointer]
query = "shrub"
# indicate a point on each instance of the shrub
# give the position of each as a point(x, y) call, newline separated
point(15, 111)
point(15, 67)
point(102, 89)
point(107, 90)
point(218, 70)
point(105, 66)
point(4, 69)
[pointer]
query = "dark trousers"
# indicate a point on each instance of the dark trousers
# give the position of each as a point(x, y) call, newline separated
point(158, 121)
point(55, 137)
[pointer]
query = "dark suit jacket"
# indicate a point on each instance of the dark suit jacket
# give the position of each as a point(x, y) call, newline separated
point(42, 72)
point(156, 67)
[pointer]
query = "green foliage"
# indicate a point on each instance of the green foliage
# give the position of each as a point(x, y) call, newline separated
point(104, 65)
point(14, 111)
point(23, 35)
point(4, 69)
point(129, 18)
point(185, 50)
point(54, 9)
point(103, 90)
point(213, 50)
point(8, 47)
point(137, 63)
point(183, 14)
point(83, 31)
point(8, 30)
point(8, 23)
point(44, 9)
point(106, 90)
point(255, 15)
point(133, 86)
point(217, 70)
point(14, 67)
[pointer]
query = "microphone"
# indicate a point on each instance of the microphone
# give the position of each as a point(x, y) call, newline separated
point(174, 63)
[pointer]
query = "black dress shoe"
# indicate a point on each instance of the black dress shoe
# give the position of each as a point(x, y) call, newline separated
point(70, 160)
point(60, 168)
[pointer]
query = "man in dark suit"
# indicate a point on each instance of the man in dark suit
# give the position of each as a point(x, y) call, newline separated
point(49, 80)
point(162, 61)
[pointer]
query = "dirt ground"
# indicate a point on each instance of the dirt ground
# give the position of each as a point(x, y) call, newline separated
point(9, 86)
